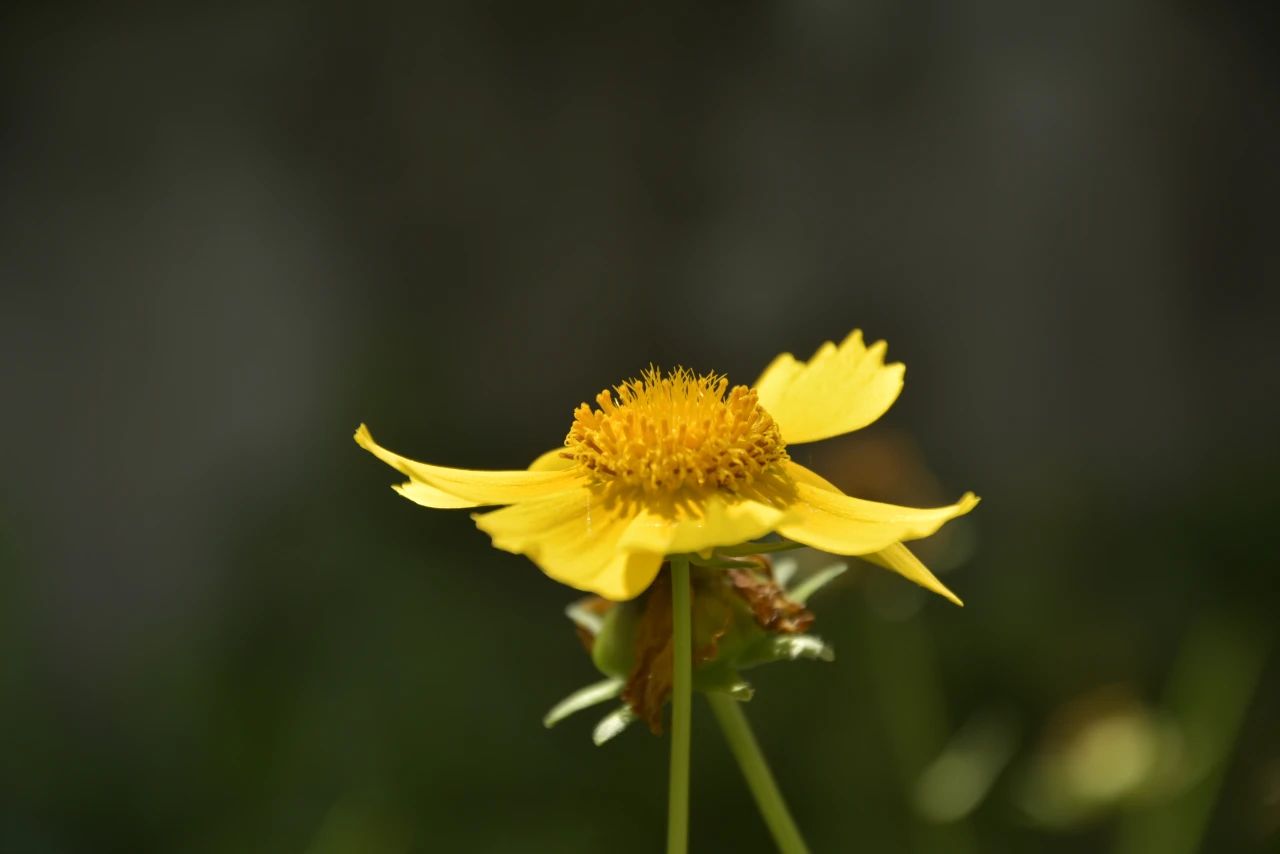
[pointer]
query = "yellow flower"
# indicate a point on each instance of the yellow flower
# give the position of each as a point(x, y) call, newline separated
point(678, 463)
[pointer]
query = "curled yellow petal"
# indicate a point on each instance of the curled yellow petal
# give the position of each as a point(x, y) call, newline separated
point(438, 486)
point(829, 520)
point(839, 390)
point(428, 496)
point(576, 539)
point(899, 558)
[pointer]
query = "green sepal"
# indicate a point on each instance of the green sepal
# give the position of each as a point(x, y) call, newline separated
point(612, 724)
point(583, 698)
point(815, 582)
point(747, 549)
point(723, 622)
point(715, 562)
point(786, 648)
point(784, 569)
point(584, 618)
point(717, 676)
point(613, 651)
point(726, 680)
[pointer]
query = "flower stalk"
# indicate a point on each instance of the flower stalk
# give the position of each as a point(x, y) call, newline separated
point(678, 468)
point(681, 707)
point(745, 749)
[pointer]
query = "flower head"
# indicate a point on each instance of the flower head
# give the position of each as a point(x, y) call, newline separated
point(677, 434)
point(679, 463)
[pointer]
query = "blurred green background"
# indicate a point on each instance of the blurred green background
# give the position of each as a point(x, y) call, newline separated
point(230, 233)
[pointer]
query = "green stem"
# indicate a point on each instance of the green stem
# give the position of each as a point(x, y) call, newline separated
point(681, 708)
point(755, 769)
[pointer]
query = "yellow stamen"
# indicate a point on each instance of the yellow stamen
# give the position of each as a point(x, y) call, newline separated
point(664, 434)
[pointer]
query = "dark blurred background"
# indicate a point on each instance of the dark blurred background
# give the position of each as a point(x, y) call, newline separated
point(230, 233)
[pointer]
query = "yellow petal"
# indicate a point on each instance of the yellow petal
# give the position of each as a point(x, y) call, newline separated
point(839, 390)
point(899, 558)
point(696, 525)
point(831, 521)
point(428, 496)
point(552, 460)
point(627, 576)
point(467, 487)
point(574, 538)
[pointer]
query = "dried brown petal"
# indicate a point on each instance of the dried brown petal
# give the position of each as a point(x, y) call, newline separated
point(649, 683)
point(769, 603)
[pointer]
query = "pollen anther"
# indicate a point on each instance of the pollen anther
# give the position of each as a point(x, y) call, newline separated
point(675, 432)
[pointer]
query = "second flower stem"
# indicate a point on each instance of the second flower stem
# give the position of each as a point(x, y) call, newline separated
point(681, 707)
point(745, 748)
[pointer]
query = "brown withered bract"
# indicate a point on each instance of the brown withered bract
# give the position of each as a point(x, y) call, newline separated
point(769, 602)
point(649, 683)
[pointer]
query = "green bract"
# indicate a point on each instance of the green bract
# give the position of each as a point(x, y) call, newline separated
point(726, 633)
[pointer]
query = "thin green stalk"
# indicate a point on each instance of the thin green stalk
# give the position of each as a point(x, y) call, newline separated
point(1214, 681)
point(681, 707)
point(755, 769)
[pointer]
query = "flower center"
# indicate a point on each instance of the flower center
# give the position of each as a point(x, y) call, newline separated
point(663, 434)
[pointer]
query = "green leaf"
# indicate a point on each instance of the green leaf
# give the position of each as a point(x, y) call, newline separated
point(612, 724)
point(583, 698)
point(811, 585)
